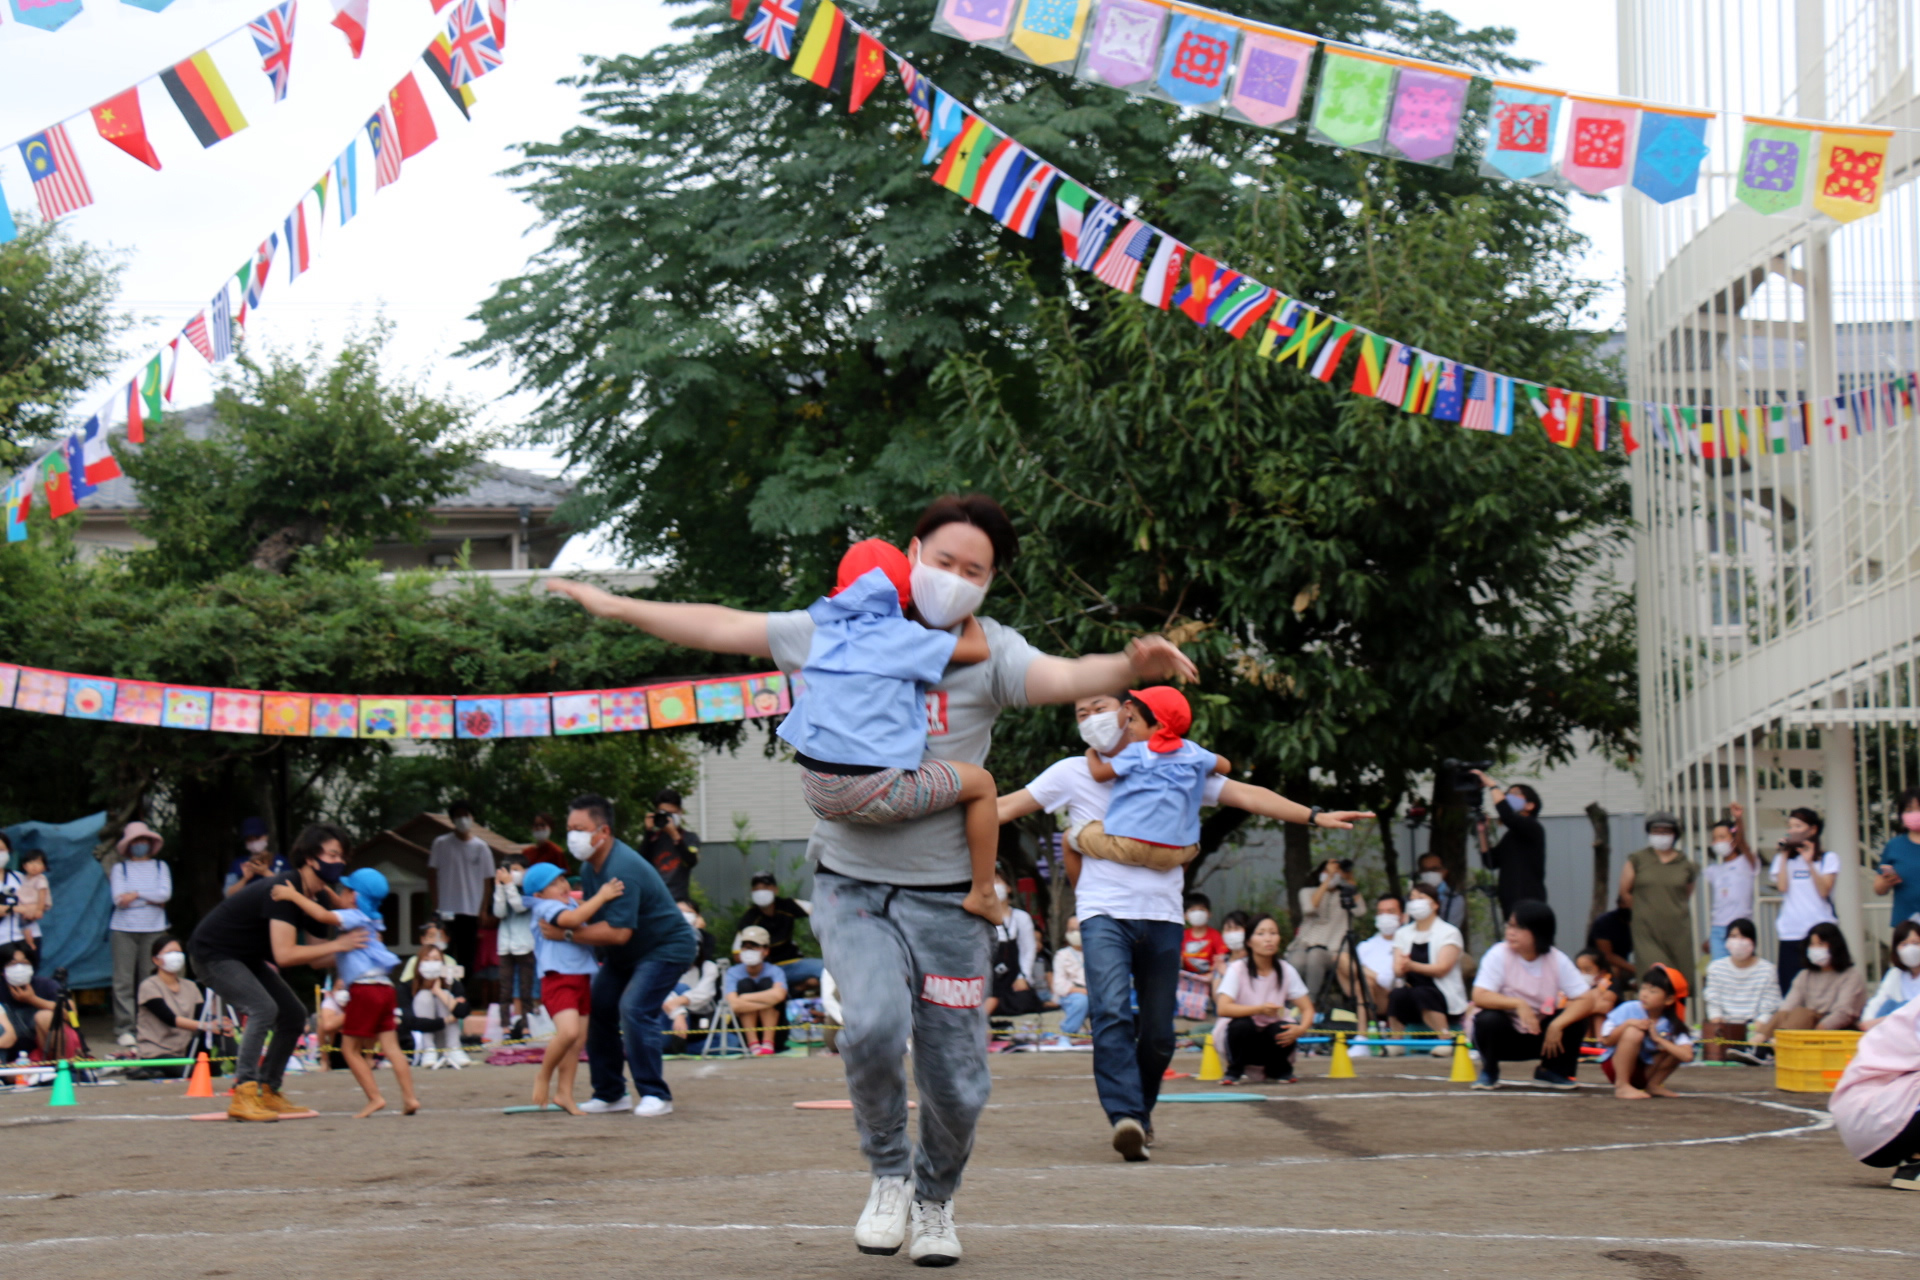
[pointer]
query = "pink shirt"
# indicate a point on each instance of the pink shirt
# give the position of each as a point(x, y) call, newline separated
point(1880, 1090)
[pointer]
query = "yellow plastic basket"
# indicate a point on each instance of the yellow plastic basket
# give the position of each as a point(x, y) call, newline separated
point(1811, 1061)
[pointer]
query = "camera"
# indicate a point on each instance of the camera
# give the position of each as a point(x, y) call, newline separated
point(8, 898)
point(1345, 887)
point(659, 819)
point(1457, 776)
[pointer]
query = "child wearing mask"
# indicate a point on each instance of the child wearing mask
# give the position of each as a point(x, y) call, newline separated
point(1233, 935)
point(436, 1008)
point(756, 990)
point(366, 974)
point(1742, 990)
point(1647, 1037)
point(1159, 779)
point(1902, 981)
point(1070, 981)
point(1201, 947)
point(566, 977)
point(860, 731)
point(514, 943)
point(1730, 878)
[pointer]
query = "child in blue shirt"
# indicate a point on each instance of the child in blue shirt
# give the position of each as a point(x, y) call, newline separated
point(366, 974)
point(566, 976)
point(860, 733)
point(1647, 1038)
point(1153, 819)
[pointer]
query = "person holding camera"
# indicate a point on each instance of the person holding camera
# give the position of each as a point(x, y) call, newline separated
point(1520, 856)
point(259, 862)
point(1327, 911)
point(673, 850)
point(1805, 875)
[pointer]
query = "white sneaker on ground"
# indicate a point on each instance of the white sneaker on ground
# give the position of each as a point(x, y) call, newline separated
point(430, 1060)
point(651, 1106)
point(457, 1058)
point(126, 1040)
point(935, 1243)
point(595, 1107)
point(883, 1223)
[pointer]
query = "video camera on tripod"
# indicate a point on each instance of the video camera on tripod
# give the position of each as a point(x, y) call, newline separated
point(1458, 777)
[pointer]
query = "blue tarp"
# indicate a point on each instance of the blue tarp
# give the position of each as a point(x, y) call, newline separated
point(76, 929)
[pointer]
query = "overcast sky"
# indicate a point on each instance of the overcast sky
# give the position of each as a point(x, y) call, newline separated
point(426, 251)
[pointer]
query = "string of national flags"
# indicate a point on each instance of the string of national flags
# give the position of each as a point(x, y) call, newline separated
point(1000, 176)
point(69, 472)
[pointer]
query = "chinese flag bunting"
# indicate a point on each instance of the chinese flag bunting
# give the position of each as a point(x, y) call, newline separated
point(869, 69)
point(119, 121)
point(412, 122)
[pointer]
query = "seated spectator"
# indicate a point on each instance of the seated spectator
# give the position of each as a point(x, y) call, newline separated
point(1647, 1037)
point(1611, 934)
point(1376, 959)
point(1876, 1106)
point(1070, 981)
point(1453, 903)
point(1520, 985)
point(26, 1003)
point(36, 896)
point(170, 1008)
point(433, 934)
point(779, 917)
point(1426, 964)
point(1828, 994)
point(1323, 922)
point(1742, 989)
point(1264, 1008)
point(756, 989)
point(1015, 949)
point(697, 991)
point(433, 1011)
point(1902, 982)
point(1203, 952)
point(1233, 935)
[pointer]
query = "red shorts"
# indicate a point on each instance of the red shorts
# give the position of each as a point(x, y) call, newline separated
point(370, 1010)
point(562, 991)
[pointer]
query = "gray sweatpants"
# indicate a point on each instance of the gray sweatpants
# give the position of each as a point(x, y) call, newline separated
point(132, 956)
point(908, 962)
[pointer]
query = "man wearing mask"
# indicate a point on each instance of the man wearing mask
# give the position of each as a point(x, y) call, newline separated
point(1376, 957)
point(1453, 904)
point(766, 909)
point(142, 886)
point(543, 849)
point(673, 850)
point(459, 872)
point(1521, 854)
point(258, 862)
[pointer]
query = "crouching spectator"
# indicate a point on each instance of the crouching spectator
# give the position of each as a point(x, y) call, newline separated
point(1070, 981)
point(1876, 1106)
point(1828, 994)
point(1520, 984)
point(1264, 1007)
point(1742, 990)
point(756, 990)
point(1376, 964)
point(433, 1012)
point(1426, 964)
point(1647, 1036)
point(26, 1004)
point(170, 1004)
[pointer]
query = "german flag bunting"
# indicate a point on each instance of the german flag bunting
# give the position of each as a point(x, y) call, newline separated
point(201, 93)
point(439, 60)
point(826, 51)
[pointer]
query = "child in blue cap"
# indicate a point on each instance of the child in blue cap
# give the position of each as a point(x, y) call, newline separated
point(566, 976)
point(366, 974)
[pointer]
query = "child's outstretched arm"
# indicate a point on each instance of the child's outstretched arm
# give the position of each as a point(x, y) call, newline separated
point(287, 893)
point(574, 917)
point(973, 647)
point(1099, 766)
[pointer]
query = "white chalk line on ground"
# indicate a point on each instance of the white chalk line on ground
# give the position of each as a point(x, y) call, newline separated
point(1111, 1228)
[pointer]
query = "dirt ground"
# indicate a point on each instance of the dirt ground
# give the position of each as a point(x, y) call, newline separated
point(1395, 1173)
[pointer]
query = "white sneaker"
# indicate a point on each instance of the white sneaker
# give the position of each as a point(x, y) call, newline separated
point(430, 1060)
point(126, 1040)
point(457, 1058)
point(595, 1107)
point(652, 1106)
point(934, 1241)
point(883, 1223)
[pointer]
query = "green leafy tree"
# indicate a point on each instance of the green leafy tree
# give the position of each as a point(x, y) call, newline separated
point(57, 328)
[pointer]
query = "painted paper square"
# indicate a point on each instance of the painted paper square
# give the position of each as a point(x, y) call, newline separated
point(137, 702)
point(528, 717)
point(333, 716)
point(236, 711)
point(1773, 164)
point(430, 717)
point(90, 699)
point(720, 702)
point(1854, 175)
point(286, 715)
point(188, 708)
point(766, 696)
point(671, 705)
point(42, 691)
point(1600, 144)
point(477, 717)
point(9, 683)
point(624, 710)
point(576, 713)
point(383, 717)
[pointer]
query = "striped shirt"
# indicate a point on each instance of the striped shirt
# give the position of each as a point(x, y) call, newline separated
point(149, 878)
point(1741, 995)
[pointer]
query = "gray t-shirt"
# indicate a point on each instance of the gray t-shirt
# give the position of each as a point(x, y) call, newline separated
point(960, 715)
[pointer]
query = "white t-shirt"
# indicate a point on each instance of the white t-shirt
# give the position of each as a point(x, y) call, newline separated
point(464, 865)
point(1377, 954)
point(1803, 906)
point(1732, 884)
point(1112, 888)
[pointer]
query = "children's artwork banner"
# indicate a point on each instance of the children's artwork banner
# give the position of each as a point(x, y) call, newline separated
point(152, 703)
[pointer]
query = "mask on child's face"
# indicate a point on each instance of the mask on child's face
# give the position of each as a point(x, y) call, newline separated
point(173, 961)
point(516, 875)
point(762, 897)
point(1911, 821)
point(751, 957)
point(257, 847)
point(1722, 848)
point(1197, 918)
point(1000, 891)
point(1102, 731)
point(1910, 956)
point(431, 969)
point(1740, 948)
point(1235, 939)
point(1073, 938)
point(1818, 956)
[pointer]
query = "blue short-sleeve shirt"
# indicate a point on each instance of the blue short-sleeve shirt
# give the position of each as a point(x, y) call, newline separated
point(555, 955)
point(370, 959)
point(738, 974)
point(1157, 796)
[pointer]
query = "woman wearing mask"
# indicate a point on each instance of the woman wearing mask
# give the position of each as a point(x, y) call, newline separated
point(1902, 981)
point(513, 943)
point(1015, 947)
point(1520, 857)
point(1657, 886)
point(1742, 990)
point(141, 886)
point(1233, 933)
point(170, 1008)
point(1730, 878)
point(1264, 1008)
point(1827, 995)
point(434, 1012)
point(1426, 964)
point(1898, 869)
point(543, 848)
point(1804, 874)
point(26, 1004)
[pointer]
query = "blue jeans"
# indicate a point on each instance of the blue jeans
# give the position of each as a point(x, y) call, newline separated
point(1717, 942)
point(799, 970)
point(1130, 1053)
point(626, 1017)
point(1073, 1012)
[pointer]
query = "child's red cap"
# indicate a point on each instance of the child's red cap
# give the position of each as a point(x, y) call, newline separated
point(863, 558)
point(1171, 714)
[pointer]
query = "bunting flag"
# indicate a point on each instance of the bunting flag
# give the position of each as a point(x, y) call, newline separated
point(1393, 383)
point(474, 51)
point(1449, 395)
point(1269, 76)
point(1502, 405)
point(945, 121)
point(77, 469)
point(1370, 369)
point(1121, 262)
point(1306, 338)
point(1777, 429)
point(346, 179)
point(201, 93)
point(439, 60)
point(1599, 424)
point(497, 15)
point(974, 20)
point(953, 165)
point(173, 367)
point(1280, 326)
point(119, 121)
point(386, 148)
point(869, 69)
point(1022, 215)
point(7, 230)
point(1520, 130)
point(1196, 295)
point(17, 503)
point(57, 481)
point(262, 267)
point(145, 402)
point(58, 183)
point(1355, 94)
point(1477, 413)
point(220, 325)
point(351, 17)
point(1099, 222)
point(298, 257)
point(1599, 151)
point(97, 461)
point(272, 35)
point(1422, 380)
point(773, 25)
point(1194, 60)
point(1850, 172)
point(48, 15)
point(825, 51)
point(1163, 273)
point(1238, 310)
point(1775, 158)
point(1327, 363)
point(1428, 101)
point(919, 94)
point(1048, 33)
point(997, 182)
point(1672, 146)
point(1623, 413)
point(412, 122)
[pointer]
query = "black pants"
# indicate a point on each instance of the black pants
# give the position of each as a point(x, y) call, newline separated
point(1409, 1005)
point(463, 939)
point(1793, 958)
point(1250, 1045)
point(1901, 1150)
point(1500, 1041)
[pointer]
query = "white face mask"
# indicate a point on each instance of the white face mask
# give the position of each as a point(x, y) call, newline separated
point(1073, 939)
point(1739, 948)
point(173, 961)
point(762, 897)
point(1197, 918)
point(1420, 909)
point(1910, 956)
point(752, 956)
point(516, 875)
point(1101, 731)
point(580, 844)
point(1722, 848)
point(1000, 891)
point(463, 825)
point(1235, 939)
point(1818, 956)
point(257, 846)
point(691, 919)
point(1386, 926)
point(1660, 841)
point(431, 969)
point(541, 835)
point(1433, 878)
point(18, 975)
point(944, 599)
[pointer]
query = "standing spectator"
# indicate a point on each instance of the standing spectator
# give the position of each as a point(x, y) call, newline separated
point(1521, 855)
point(673, 850)
point(1898, 870)
point(1264, 1008)
point(1015, 948)
point(1742, 990)
point(1804, 874)
point(1070, 981)
point(1322, 924)
point(1730, 878)
point(170, 1008)
point(459, 871)
point(1521, 981)
point(1828, 994)
point(36, 895)
point(1902, 981)
point(756, 990)
point(1453, 903)
point(13, 919)
point(543, 849)
point(1657, 886)
point(513, 944)
point(141, 886)
point(257, 863)
point(779, 916)
point(1426, 964)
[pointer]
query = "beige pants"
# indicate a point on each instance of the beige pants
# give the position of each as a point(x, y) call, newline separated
point(1094, 842)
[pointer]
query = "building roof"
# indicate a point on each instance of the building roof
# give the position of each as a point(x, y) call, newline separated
point(490, 486)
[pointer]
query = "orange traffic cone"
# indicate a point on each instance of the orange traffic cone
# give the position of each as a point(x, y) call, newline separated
point(200, 1083)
